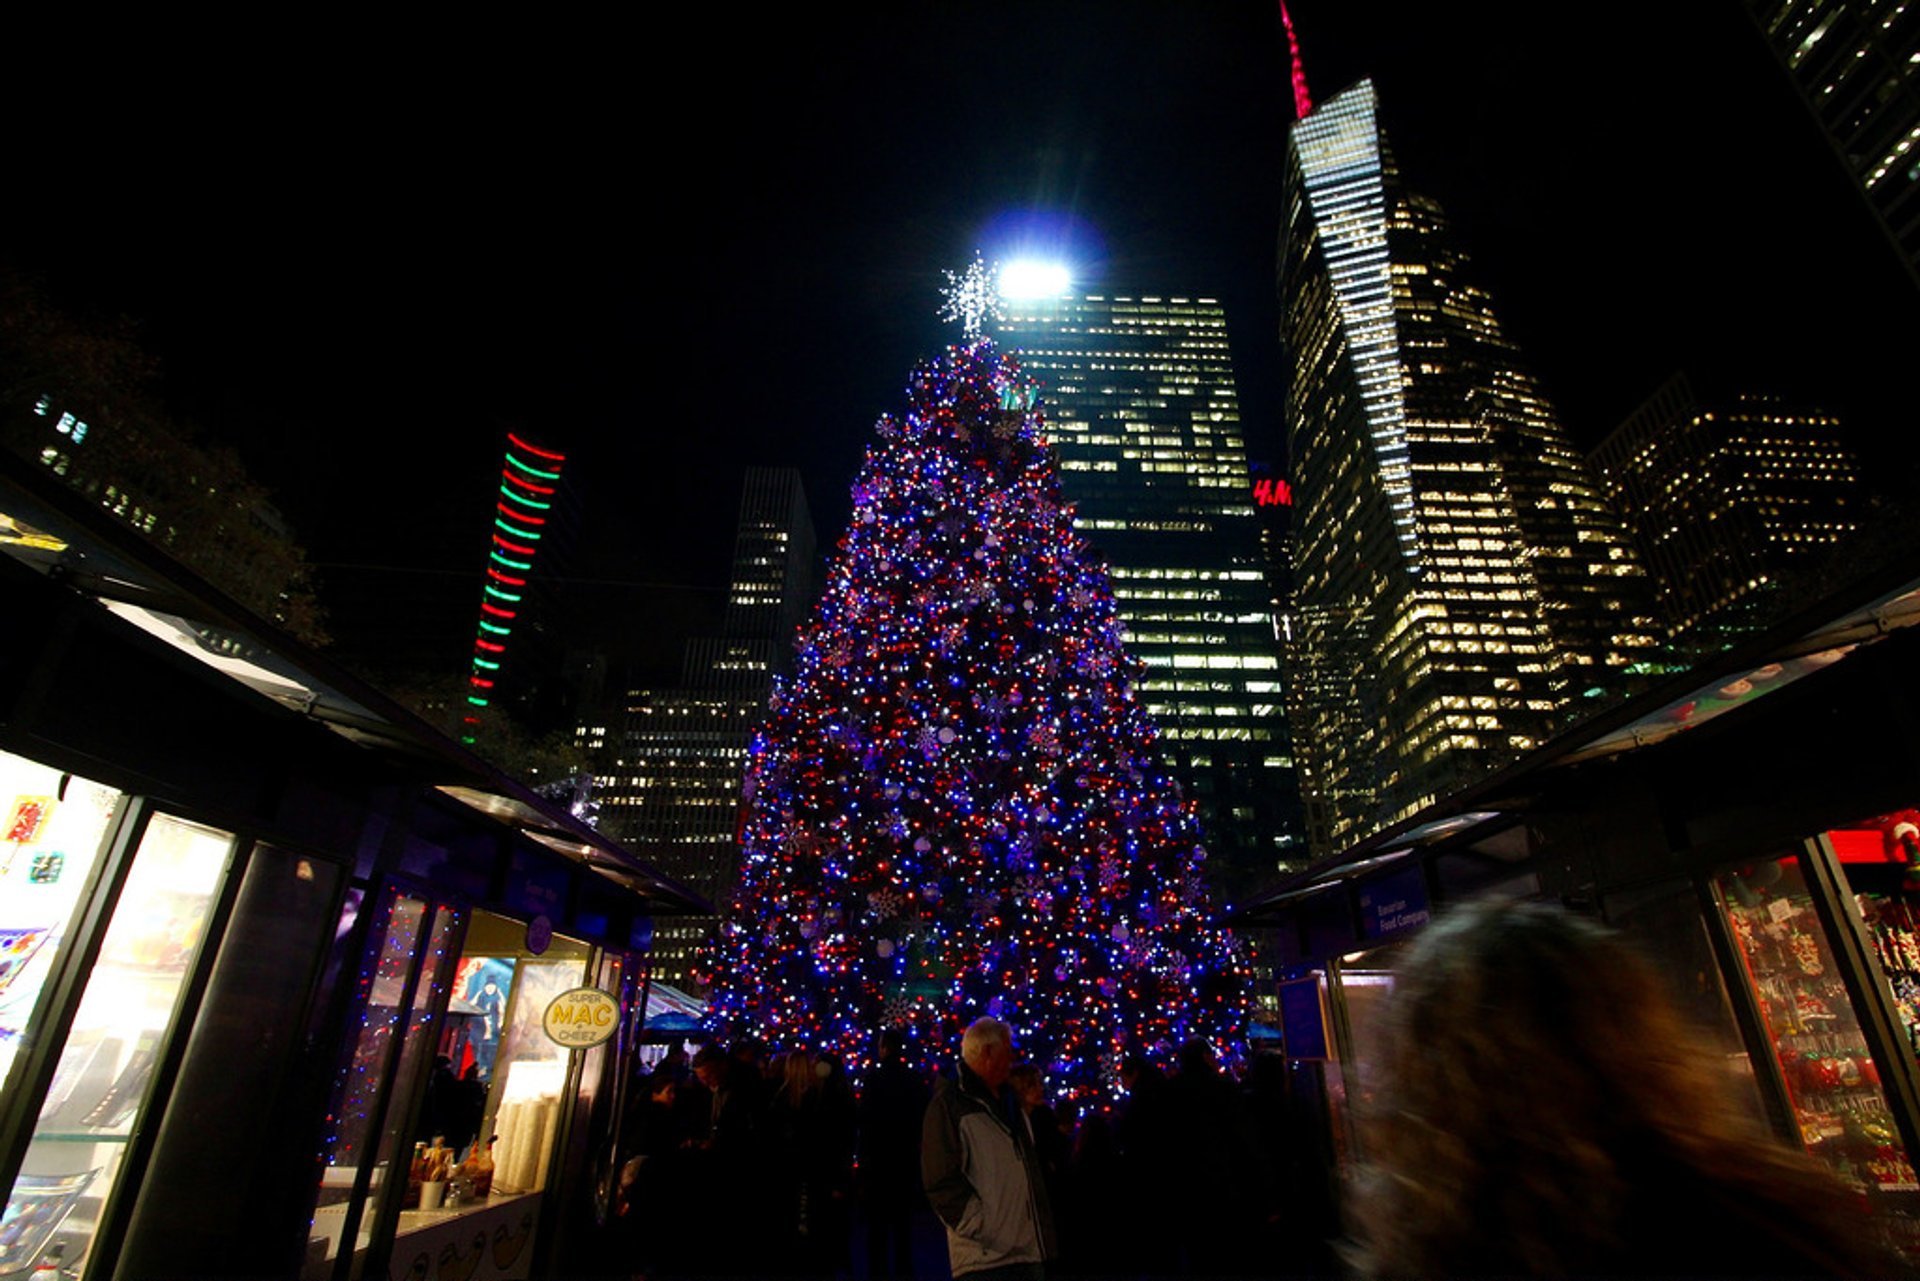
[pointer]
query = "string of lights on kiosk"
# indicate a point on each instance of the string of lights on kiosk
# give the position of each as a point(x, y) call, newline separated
point(520, 518)
point(955, 806)
point(383, 973)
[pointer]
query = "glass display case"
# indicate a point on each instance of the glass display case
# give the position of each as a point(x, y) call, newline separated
point(1833, 1085)
point(1881, 859)
point(55, 826)
point(121, 1026)
point(1892, 917)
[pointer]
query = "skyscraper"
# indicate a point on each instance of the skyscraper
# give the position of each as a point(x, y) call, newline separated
point(1144, 415)
point(671, 759)
point(1855, 64)
point(1459, 584)
point(1726, 498)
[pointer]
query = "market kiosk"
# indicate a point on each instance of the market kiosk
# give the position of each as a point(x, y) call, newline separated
point(1754, 825)
point(256, 921)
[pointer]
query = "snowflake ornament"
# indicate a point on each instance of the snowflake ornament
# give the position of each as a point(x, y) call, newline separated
point(971, 297)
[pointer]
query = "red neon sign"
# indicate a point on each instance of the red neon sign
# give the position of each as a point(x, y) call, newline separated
point(1272, 493)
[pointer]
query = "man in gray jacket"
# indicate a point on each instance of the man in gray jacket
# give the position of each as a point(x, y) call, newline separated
point(979, 1166)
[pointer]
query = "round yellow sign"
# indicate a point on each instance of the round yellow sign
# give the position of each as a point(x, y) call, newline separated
point(582, 1018)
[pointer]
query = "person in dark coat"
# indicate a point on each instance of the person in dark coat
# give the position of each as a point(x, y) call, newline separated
point(1043, 1127)
point(653, 1195)
point(737, 1101)
point(892, 1104)
point(810, 1155)
point(1147, 1132)
point(732, 1214)
point(1093, 1199)
point(833, 1221)
point(1225, 1191)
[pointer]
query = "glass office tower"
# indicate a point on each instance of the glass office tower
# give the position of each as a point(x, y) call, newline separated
point(671, 760)
point(1143, 413)
point(1730, 498)
point(1460, 588)
point(1857, 64)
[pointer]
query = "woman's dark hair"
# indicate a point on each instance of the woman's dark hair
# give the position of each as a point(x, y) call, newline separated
point(1535, 1085)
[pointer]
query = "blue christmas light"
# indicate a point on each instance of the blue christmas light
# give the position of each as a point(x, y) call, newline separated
point(955, 798)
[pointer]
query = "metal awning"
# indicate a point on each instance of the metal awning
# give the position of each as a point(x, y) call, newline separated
point(1488, 819)
point(57, 533)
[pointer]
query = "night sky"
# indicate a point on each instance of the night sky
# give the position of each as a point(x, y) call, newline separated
point(676, 251)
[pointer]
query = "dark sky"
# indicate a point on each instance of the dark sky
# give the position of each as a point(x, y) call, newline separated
point(676, 250)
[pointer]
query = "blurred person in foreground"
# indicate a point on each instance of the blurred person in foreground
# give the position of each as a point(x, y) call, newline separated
point(1543, 1112)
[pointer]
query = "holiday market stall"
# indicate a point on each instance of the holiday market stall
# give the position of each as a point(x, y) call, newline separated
point(278, 963)
point(1754, 825)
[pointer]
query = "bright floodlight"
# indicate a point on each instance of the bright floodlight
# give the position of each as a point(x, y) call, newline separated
point(1033, 279)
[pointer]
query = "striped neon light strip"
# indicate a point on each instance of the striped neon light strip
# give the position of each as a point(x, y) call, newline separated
point(525, 517)
point(527, 485)
point(533, 471)
point(523, 500)
point(536, 450)
point(517, 529)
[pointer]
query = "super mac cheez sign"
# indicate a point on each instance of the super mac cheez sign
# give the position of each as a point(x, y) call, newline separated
point(582, 1018)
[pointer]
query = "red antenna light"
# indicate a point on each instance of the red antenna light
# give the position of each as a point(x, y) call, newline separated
point(1302, 100)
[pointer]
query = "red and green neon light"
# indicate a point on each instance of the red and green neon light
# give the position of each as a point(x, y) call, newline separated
point(528, 479)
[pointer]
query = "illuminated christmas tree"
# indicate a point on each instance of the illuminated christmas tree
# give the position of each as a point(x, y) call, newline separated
point(954, 807)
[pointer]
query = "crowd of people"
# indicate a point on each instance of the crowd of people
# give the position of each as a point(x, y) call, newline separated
point(743, 1161)
point(1538, 1108)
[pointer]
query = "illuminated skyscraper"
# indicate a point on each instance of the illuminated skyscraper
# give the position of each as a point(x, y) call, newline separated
point(1857, 64)
point(672, 759)
point(1142, 409)
point(1726, 499)
point(1460, 587)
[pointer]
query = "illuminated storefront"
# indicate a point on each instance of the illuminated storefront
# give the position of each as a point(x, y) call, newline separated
point(255, 924)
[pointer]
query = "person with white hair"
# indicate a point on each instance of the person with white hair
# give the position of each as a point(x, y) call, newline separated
point(980, 1170)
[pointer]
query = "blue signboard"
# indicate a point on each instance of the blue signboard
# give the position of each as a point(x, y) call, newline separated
point(537, 885)
point(1303, 1018)
point(1394, 904)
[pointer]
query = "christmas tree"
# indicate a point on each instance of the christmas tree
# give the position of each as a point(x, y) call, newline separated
point(954, 807)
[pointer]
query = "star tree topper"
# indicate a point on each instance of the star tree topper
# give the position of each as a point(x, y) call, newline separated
point(972, 296)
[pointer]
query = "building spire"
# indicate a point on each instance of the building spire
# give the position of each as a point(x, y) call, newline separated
point(1302, 100)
